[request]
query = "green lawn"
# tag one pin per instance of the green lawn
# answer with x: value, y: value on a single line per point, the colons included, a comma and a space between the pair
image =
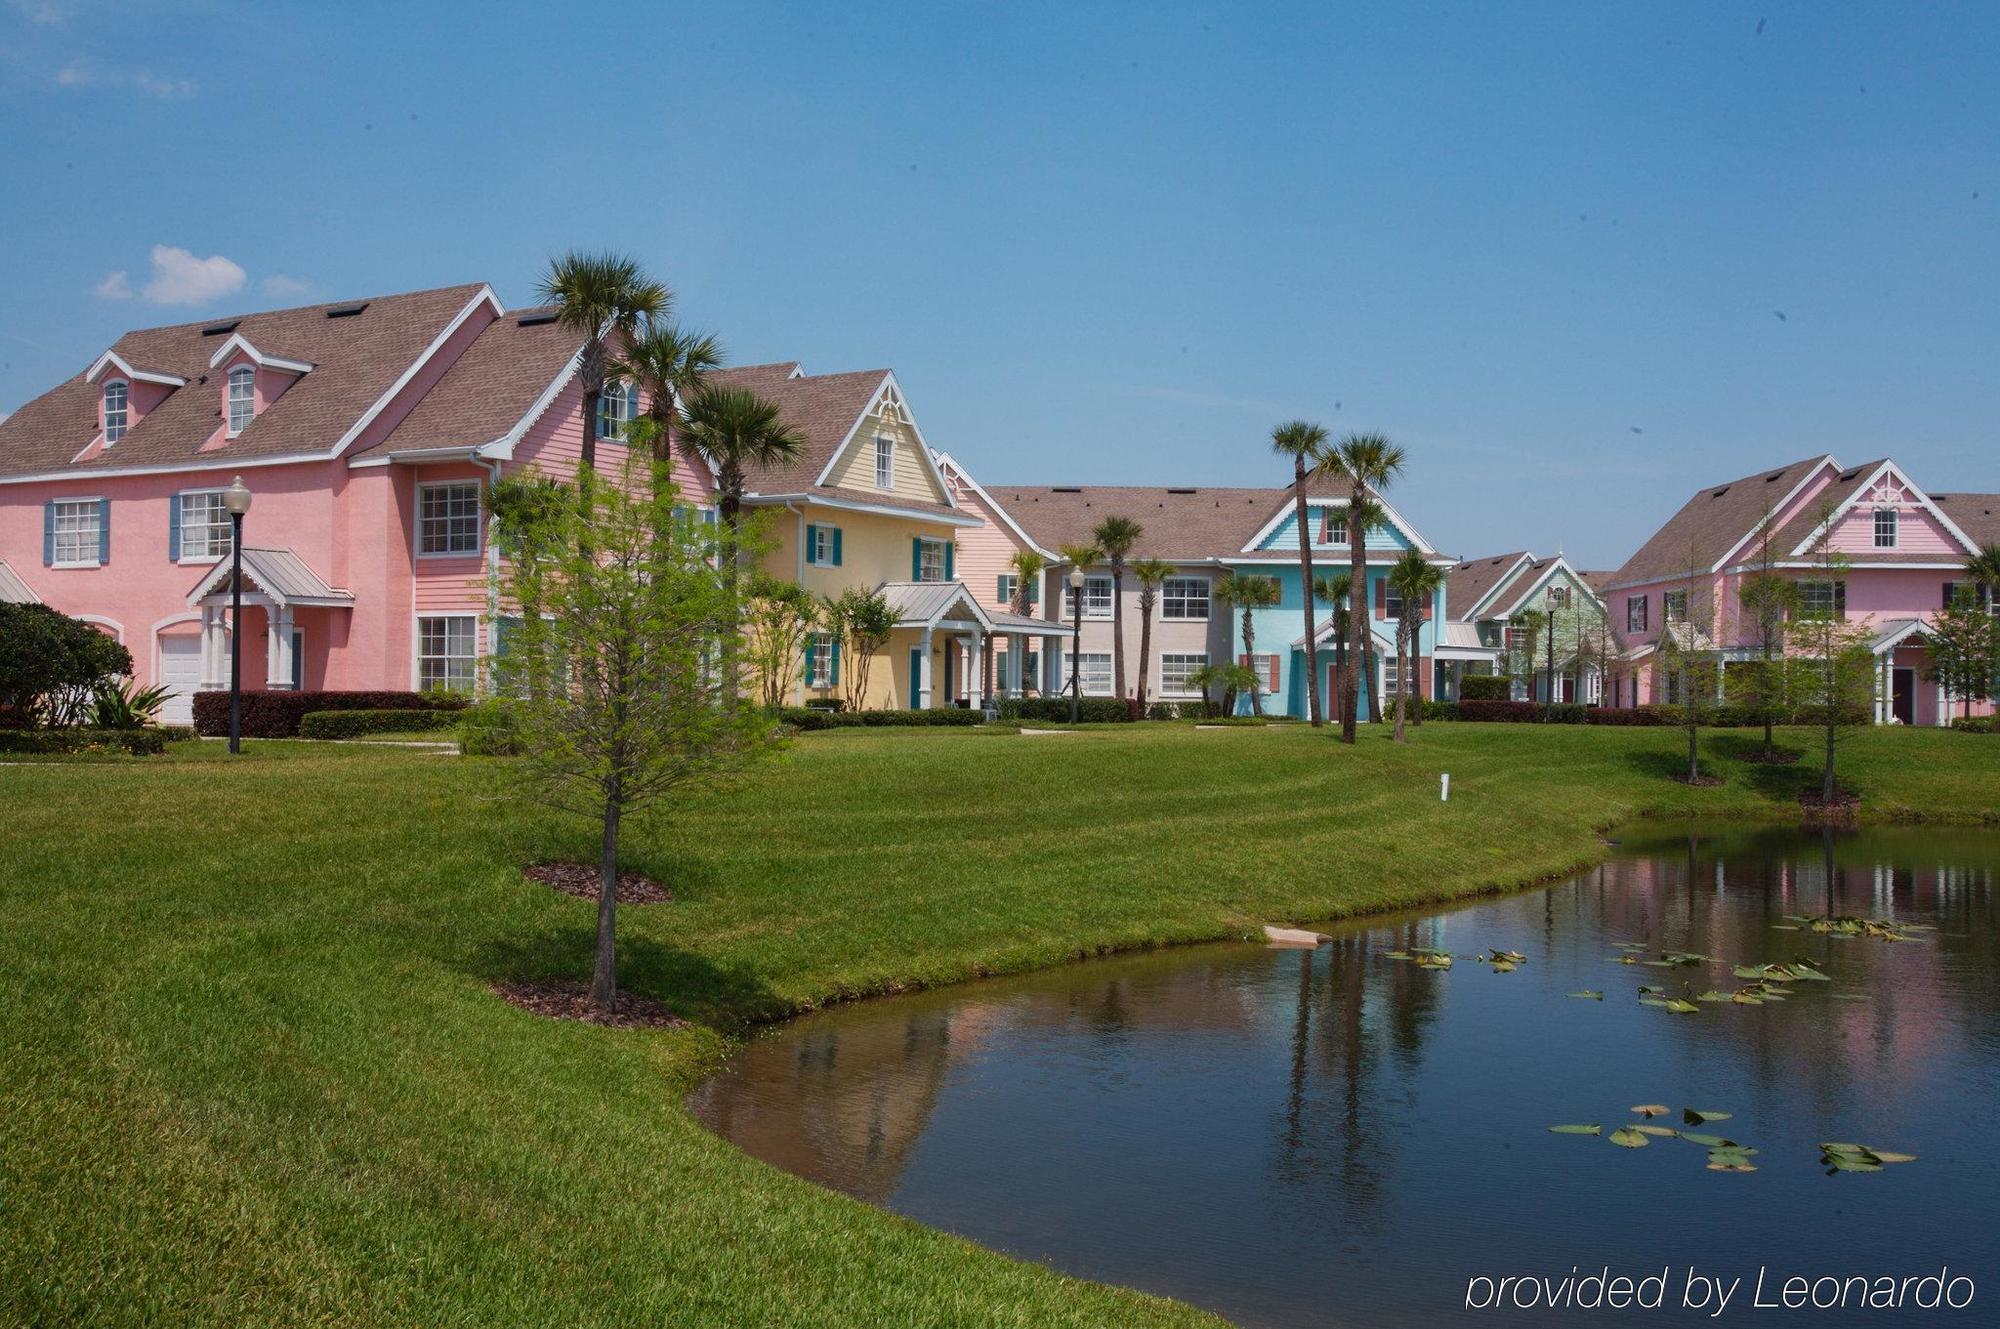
x: 253, y: 1074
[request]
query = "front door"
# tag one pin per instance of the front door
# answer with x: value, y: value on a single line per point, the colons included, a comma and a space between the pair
x: 1903, y: 696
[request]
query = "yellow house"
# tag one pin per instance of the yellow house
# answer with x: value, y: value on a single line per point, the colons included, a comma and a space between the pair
x: 865, y: 506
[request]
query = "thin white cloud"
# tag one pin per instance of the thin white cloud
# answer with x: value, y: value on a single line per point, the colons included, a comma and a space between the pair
x: 279, y: 284
x: 75, y: 74
x: 79, y: 74
x: 167, y: 89
x: 46, y: 13
x: 179, y: 278
x: 115, y: 286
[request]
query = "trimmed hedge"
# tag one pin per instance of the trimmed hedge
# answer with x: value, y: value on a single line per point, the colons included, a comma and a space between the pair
x: 1499, y: 712
x: 1978, y: 724
x: 137, y: 742
x: 277, y: 714
x: 355, y: 724
x: 1485, y: 687
x: 807, y: 717
x: 1090, y: 710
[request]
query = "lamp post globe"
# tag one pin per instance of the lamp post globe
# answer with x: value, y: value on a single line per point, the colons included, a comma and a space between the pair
x: 1076, y: 580
x: 236, y: 500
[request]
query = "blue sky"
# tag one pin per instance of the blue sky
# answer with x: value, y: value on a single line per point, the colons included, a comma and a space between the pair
x: 1580, y: 259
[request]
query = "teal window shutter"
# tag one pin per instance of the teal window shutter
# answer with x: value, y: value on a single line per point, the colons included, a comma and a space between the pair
x: 948, y: 550
x: 1000, y: 592
x: 48, y: 534
x: 836, y: 546
x: 103, y: 530
x: 833, y: 661
x: 174, y: 528
x: 812, y: 658
x: 1035, y: 591
x: 917, y: 559
x: 812, y: 543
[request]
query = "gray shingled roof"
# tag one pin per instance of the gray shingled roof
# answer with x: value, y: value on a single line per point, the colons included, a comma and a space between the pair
x: 1712, y: 521
x: 1178, y: 524
x: 490, y: 387
x: 1474, y: 578
x: 279, y: 573
x: 355, y: 361
x: 1978, y: 515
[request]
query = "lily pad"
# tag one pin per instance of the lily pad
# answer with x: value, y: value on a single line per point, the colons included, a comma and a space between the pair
x: 1682, y: 1006
x: 1584, y: 1128
x: 1651, y: 1110
x: 1629, y: 1138
x: 1664, y: 1132
x: 1708, y: 1141
x: 1701, y: 1116
x: 1713, y: 996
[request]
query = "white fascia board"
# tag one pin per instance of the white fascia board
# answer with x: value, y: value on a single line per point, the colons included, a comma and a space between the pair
x: 484, y: 296
x: 502, y: 448
x: 851, y: 505
x: 1471, y: 612
x: 113, y: 360
x: 1910, y: 487
x: 167, y: 468
x: 1782, y: 505
x: 1290, y: 506
x: 847, y: 440
x: 238, y: 342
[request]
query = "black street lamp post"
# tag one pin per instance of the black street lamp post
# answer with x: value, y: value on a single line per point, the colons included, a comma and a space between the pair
x: 1076, y: 580
x: 237, y: 500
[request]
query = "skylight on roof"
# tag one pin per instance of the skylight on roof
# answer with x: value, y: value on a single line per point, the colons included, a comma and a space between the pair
x: 1181, y: 491
x: 1720, y: 492
x: 1849, y: 475
x: 537, y: 318
x: 220, y: 329
x: 1774, y: 475
x: 347, y: 311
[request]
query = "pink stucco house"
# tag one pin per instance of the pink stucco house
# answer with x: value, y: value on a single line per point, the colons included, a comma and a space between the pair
x: 1905, y: 550
x: 369, y: 432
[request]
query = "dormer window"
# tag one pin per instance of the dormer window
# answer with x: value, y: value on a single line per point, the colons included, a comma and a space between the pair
x: 242, y: 398
x: 1886, y: 521
x: 117, y: 401
x: 617, y: 407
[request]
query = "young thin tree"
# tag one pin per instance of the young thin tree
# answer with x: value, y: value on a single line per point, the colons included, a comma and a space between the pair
x: 669, y: 365
x: 1151, y: 574
x: 625, y: 638
x: 1689, y: 652
x: 779, y: 616
x: 1961, y: 645
x: 1366, y: 464
x: 1984, y: 570
x: 862, y: 621
x: 1081, y: 557
x: 1115, y: 536
x: 1249, y: 593
x: 1767, y: 600
x: 1337, y: 590
x: 1833, y: 678
x: 1416, y: 582
x: 1532, y: 626
x: 1304, y: 442
x: 603, y: 297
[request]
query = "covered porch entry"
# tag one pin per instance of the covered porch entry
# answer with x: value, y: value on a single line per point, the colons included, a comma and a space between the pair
x: 295, y: 606
x: 943, y: 639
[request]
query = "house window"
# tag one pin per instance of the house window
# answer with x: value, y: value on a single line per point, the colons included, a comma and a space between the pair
x: 825, y: 543
x: 1184, y: 598
x: 1885, y: 528
x: 1096, y: 666
x: 448, y: 518
x: 1392, y: 601
x: 1976, y: 594
x: 1674, y: 606
x: 1332, y: 526
x: 1519, y: 638
x: 242, y: 398
x: 1635, y: 614
x: 617, y: 407
x: 1096, y: 597
x: 819, y: 669
x: 1392, y: 677
x: 116, y: 399
x: 79, y: 531
x: 204, y: 526
x: 1003, y: 587
x: 445, y: 653
x: 931, y: 560
x: 1177, y: 669
x: 885, y: 463
x: 1558, y: 596
x: 1823, y: 599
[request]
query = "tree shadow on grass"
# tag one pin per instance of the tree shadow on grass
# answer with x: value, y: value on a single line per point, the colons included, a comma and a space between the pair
x: 694, y: 987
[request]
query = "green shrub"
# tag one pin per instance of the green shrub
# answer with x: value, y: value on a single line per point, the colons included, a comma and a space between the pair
x: 491, y: 728
x: 1440, y: 710
x: 179, y: 733
x: 1978, y: 724
x: 1485, y: 687
x: 137, y: 742
x: 811, y: 717
x: 1176, y: 710
x: 1566, y: 712
x: 51, y: 665
x: 825, y: 704
x: 1234, y: 721
x: 1090, y: 710
x: 356, y: 724
x: 1500, y: 712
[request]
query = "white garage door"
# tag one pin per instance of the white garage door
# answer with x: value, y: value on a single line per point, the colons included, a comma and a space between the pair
x: 180, y: 673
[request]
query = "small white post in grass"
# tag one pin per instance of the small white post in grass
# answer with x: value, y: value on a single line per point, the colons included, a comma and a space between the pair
x: 1444, y: 788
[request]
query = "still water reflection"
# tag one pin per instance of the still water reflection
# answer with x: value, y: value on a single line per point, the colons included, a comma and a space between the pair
x: 1334, y: 1137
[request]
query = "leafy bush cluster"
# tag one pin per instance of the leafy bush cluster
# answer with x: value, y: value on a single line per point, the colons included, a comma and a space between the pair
x: 52, y: 666
x: 492, y: 728
x: 1090, y: 710
x: 137, y: 742
x: 825, y: 704
x: 357, y: 724
x: 277, y: 714
x: 811, y: 717
x: 1176, y: 710
x: 1978, y: 724
x: 1485, y: 687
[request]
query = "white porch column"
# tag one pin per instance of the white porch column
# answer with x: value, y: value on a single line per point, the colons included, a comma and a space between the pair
x: 1052, y: 654
x: 975, y: 674
x: 280, y: 623
x: 924, y: 673
x: 1017, y: 662
x: 214, y: 649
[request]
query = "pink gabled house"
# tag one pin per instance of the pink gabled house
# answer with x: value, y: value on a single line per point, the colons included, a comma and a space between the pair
x: 368, y: 432
x: 1904, y: 552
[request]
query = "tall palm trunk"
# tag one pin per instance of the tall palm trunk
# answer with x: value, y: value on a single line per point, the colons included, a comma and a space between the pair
x: 1145, y: 647
x: 590, y: 376
x: 1306, y: 585
x: 1337, y: 689
x: 1118, y: 628
x: 1357, y: 595
x: 1250, y: 658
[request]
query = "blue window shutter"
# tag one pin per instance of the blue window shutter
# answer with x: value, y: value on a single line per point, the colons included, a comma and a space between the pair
x: 48, y: 534
x: 1035, y: 591
x: 298, y: 662
x: 174, y: 527
x: 917, y: 559
x: 836, y: 546
x: 833, y: 661
x: 103, y: 530
x: 948, y: 551
x: 812, y: 543
x: 812, y: 657
x: 1000, y: 589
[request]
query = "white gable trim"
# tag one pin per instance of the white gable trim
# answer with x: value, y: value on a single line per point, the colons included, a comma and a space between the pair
x: 1290, y: 505
x: 854, y: 431
x: 1557, y: 564
x: 502, y: 448
x: 948, y: 463
x: 853, y: 505
x: 484, y: 296
x: 1910, y: 490
x: 238, y: 342
x: 113, y: 360
x: 1506, y: 580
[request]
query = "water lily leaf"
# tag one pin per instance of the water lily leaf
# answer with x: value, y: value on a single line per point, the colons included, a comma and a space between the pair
x: 1849, y: 996
x: 1748, y: 971
x: 1682, y: 1006
x: 1395, y: 955
x: 1887, y: 1156
x: 1658, y: 964
x: 1585, y: 1128
x: 1627, y: 959
x: 1657, y: 1002
x: 1649, y: 991
x: 1784, y: 927
x: 1850, y: 1163
x: 1665, y: 1132
x: 1748, y: 999
x: 1842, y: 1147
x: 1504, y: 966
x: 1631, y: 945
x: 1709, y: 1141
x: 1729, y: 1160
x: 1701, y: 1116
x: 1651, y: 1110
x: 1589, y: 994
x: 1713, y: 996
x: 1629, y: 1138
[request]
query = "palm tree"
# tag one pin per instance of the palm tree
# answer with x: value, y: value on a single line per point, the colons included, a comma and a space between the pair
x: 1415, y: 581
x: 731, y: 428
x: 1365, y: 463
x: 1079, y: 557
x: 1303, y: 441
x: 1984, y: 569
x: 1115, y: 536
x: 604, y: 297
x: 1028, y: 566
x: 670, y: 365
x: 1150, y: 574
x: 1249, y: 593
x: 1336, y: 590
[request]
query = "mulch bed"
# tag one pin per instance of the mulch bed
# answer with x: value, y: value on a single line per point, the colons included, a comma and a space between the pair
x: 580, y: 880
x: 568, y: 999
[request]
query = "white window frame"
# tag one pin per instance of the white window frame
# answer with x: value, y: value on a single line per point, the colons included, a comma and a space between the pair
x: 1392, y: 602
x: 114, y: 432
x: 1638, y: 613
x: 244, y: 375
x: 617, y: 406
x: 1333, y: 527
x: 1836, y: 596
x: 885, y: 462
x: 821, y: 553
x: 1180, y: 687
x: 1006, y: 584
x: 1895, y: 528
x: 928, y: 550
x: 1168, y: 596
x: 1096, y: 590
x: 1095, y: 684
x: 217, y: 528
x: 822, y: 658
x: 1392, y: 675
x: 424, y: 519
x: 1559, y: 595
x: 471, y: 657
x: 94, y: 507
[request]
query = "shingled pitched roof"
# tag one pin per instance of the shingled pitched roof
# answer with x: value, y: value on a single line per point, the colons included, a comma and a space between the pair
x: 1978, y: 515
x: 1474, y: 578
x: 1716, y: 519
x: 492, y: 386
x: 1178, y: 524
x: 355, y: 361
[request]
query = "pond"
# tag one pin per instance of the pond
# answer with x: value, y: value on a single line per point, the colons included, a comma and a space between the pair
x: 1340, y: 1136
